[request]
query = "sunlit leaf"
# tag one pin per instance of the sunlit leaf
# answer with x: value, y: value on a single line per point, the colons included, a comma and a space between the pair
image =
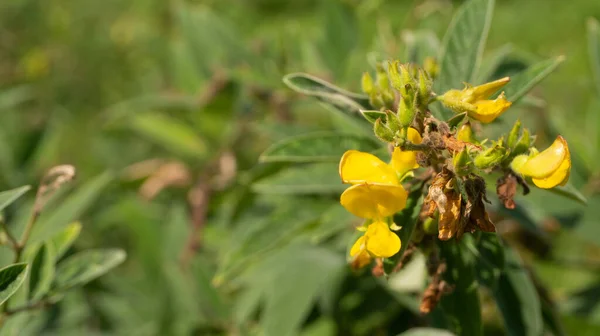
x: 524, y: 81
x: 83, y: 267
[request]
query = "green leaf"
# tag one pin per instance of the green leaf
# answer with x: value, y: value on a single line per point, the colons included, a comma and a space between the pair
x: 11, y: 278
x: 315, y: 178
x: 63, y: 240
x: 170, y: 133
x: 517, y: 299
x: 9, y: 196
x: 326, y: 92
x: 461, y: 273
x: 570, y: 192
x: 524, y: 81
x: 426, y: 332
x: 593, y: 29
x: 490, y: 258
x: 70, y: 209
x: 463, y: 46
x: 491, y: 63
x: 325, y: 326
x: 42, y: 271
x: 86, y: 266
x: 340, y: 28
x: 317, y: 147
x: 372, y: 116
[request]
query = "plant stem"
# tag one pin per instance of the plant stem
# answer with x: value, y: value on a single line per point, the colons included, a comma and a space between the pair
x: 11, y: 238
x: 30, y: 306
x: 25, y: 237
x: 409, y: 146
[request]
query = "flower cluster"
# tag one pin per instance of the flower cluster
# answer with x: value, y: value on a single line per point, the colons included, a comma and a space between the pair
x: 452, y: 158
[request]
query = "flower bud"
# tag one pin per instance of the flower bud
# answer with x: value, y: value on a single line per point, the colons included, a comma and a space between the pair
x: 376, y: 100
x: 523, y: 145
x: 465, y: 133
x: 382, y: 132
x: 431, y: 66
x: 490, y: 157
x: 392, y: 121
x: 430, y: 226
x: 383, y: 80
x: 367, y: 84
x: 425, y: 84
x: 408, y: 82
x: 406, y: 112
x: 394, y: 74
x: 513, y: 136
x: 462, y: 163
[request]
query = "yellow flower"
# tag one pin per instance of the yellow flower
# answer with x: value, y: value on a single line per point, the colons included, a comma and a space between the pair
x: 549, y: 168
x: 378, y: 241
x: 404, y: 161
x: 475, y: 100
x: 376, y: 191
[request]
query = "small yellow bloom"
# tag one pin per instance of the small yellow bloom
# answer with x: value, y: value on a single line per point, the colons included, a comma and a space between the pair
x: 404, y: 161
x: 376, y: 191
x: 549, y: 168
x: 475, y: 100
x: 378, y: 241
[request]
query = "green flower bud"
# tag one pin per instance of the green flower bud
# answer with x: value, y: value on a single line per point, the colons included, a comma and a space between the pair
x: 431, y: 66
x: 382, y: 132
x: 392, y: 121
x: 368, y: 86
x: 406, y: 112
x: 430, y: 226
x: 462, y: 163
x: 523, y: 145
x: 394, y: 74
x: 465, y: 133
x: 425, y: 84
x: 408, y: 82
x: 513, y: 135
x: 376, y: 100
x: 490, y: 157
x: 383, y: 80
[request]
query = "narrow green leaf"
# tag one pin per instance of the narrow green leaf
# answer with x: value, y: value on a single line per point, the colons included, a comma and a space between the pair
x: 463, y: 45
x: 63, y: 240
x: 170, y: 133
x: 317, y: 147
x: 372, y: 116
x: 524, y: 81
x: 12, y: 97
x: 461, y: 273
x: 593, y: 29
x: 325, y: 326
x: 70, y: 209
x: 326, y: 92
x: 42, y: 271
x: 570, y: 192
x: 11, y: 278
x: 426, y: 332
x: 9, y: 196
x: 86, y: 266
x: 316, y: 178
x: 517, y: 299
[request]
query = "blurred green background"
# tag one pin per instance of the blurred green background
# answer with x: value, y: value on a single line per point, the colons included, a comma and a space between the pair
x: 164, y: 107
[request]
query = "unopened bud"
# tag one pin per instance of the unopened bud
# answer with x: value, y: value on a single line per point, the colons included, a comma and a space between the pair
x: 382, y: 132
x: 392, y: 121
x: 513, y: 135
x: 490, y: 157
x: 376, y: 100
x: 406, y: 112
x: 425, y: 84
x: 382, y: 78
x: 430, y: 226
x: 394, y: 74
x: 368, y: 86
x: 431, y: 66
x: 523, y: 145
x: 462, y: 163
x: 465, y: 133
x: 408, y: 82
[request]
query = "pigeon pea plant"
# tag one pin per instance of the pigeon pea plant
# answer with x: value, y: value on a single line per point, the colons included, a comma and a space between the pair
x: 427, y: 189
x: 39, y: 274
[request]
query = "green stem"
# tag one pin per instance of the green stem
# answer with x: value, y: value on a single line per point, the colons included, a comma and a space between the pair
x: 25, y: 237
x: 11, y: 238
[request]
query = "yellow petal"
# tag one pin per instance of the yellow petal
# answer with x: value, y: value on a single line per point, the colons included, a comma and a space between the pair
x: 559, y: 177
x: 382, y: 242
x: 403, y: 161
x: 488, y: 110
x: 374, y: 200
x: 547, y: 162
x: 484, y: 91
x: 361, y: 260
x: 358, y: 246
x: 359, y: 167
